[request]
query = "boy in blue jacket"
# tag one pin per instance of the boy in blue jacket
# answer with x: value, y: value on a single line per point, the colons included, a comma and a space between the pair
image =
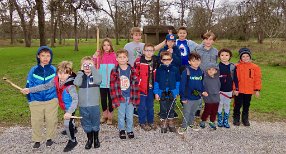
x: 166, y: 89
x: 43, y: 105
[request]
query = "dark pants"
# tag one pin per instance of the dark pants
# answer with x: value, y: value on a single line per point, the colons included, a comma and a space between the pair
x: 70, y: 127
x: 244, y: 101
x: 104, y: 95
x: 167, y: 105
x: 210, y: 110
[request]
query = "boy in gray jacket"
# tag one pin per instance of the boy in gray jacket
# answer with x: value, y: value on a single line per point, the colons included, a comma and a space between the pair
x: 88, y: 80
x: 211, y: 83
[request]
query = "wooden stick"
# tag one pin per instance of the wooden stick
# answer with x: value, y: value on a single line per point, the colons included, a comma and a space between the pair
x: 14, y: 85
x: 97, y: 46
x: 75, y: 117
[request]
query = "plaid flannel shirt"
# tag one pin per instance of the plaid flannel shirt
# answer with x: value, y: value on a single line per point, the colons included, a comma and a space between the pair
x: 115, y: 90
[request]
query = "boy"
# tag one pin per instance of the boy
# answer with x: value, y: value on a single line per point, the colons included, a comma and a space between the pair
x: 43, y: 105
x: 124, y: 91
x: 173, y: 49
x: 191, y: 89
x: 146, y: 66
x: 185, y: 46
x: 166, y: 89
x: 249, y: 82
x: 212, y: 87
x: 67, y: 95
x: 88, y: 80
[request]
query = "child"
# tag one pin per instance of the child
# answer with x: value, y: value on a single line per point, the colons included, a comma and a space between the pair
x: 173, y: 49
x: 146, y: 66
x: 166, y: 89
x: 249, y: 82
x: 67, y: 95
x: 227, y: 77
x: 88, y: 80
x: 191, y: 89
x: 212, y: 87
x: 185, y: 46
x: 105, y: 60
x: 124, y: 92
x: 43, y: 105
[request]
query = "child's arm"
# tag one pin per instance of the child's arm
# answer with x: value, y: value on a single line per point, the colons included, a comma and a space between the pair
x: 96, y: 75
x: 192, y: 45
x: 159, y: 46
x: 177, y: 56
x: 72, y: 91
x: 156, y: 89
x: 38, y: 88
x: 178, y: 78
x: 183, y: 85
x: 257, y: 81
x: 204, y: 93
x: 78, y: 79
x: 235, y: 81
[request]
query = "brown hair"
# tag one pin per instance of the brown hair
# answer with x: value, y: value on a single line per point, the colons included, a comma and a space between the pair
x: 65, y: 67
x: 149, y: 45
x: 86, y: 58
x: 135, y: 30
x: 101, y: 46
x: 182, y: 28
x: 225, y: 50
x: 208, y: 34
x: 194, y: 55
x: 121, y: 51
x: 165, y: 53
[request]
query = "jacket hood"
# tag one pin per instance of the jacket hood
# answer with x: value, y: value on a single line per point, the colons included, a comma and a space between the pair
x: 42, y: 48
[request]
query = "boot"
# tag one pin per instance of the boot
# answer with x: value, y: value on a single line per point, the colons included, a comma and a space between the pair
x: 110, y: 116
x: 104, y: 116
x: 225, y: 120
x: 96, y: 140
x: 236, y: 121
x: 89, y: 142
x: 244, y: 119
x: 219, y: 119
x: 164, y: 126
x: 171, y: 125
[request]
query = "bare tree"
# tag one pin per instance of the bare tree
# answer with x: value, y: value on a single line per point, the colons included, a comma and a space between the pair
x: 41, y: 21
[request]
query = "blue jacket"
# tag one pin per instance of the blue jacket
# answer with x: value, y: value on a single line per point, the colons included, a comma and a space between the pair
x: 195, y: 82
x: 176, y: 55
x: 40, y: 75
x: 167, y: 78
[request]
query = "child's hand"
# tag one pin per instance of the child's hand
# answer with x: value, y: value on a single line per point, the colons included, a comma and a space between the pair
x: 205, y: 94
x: 184, y: 102
x: 25, y: 91
x: 96, y: 54
x: 170, y: 50
x: 257, y: 94
x: 235, y: 93
x: 67, y: 116
x: 157, y: 97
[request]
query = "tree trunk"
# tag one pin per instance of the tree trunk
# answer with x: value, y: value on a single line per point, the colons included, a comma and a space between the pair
x: 75, y: 31
x: 157, y: 21
x: 86, y: 32
x: 260, y: 38
x: 52, y: 25
x: 11, y: 22
x: 41, y: 21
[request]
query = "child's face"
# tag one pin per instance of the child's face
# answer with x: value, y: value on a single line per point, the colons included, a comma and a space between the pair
x: 224, y: 57
x: 149, y: 52
x: 245, y: 58
x: 86, y: 65
x: 122, y: 59
x: 63, y: 76
x: 106, y: 46
x: 195, y: 63
x: 208, y: 42
x: 166, y: 60
x: 212, y: 71
x: 170, y: 43
x: 45, y: 58
x: 136, y: 37
x: 182, y: 34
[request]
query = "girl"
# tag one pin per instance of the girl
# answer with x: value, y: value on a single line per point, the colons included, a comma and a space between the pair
x: 105, y: 60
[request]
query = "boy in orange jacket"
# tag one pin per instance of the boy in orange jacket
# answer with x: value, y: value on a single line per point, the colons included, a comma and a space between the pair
x: 249, y: 82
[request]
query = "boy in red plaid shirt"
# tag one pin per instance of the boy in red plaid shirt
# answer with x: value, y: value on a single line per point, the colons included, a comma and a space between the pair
x: 124, y: 91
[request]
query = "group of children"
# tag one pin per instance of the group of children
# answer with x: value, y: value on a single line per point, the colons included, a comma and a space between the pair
x: 131, y: 78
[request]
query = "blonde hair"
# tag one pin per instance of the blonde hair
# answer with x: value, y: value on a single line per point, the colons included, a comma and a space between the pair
x: 121, y: 51
x: 86, y: 58
x: 65, y: 67
x: 135, y: 30
x: 101, y: 46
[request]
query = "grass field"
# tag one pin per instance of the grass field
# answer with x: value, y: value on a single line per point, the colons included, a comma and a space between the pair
x: 15, y: 62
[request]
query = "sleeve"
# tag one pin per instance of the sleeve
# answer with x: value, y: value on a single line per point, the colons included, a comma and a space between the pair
x: 96, y: 75
x: 29, y: 80
x: 203, y: 86
x: 74, y: 96
x: 112, y: 89
x: 183, y: 85
x: 192, y: 45
x: 257, y: 79
x: 156, y: 89
x: 78, y: 79
x: 42, y: 87
x: 235, y: 80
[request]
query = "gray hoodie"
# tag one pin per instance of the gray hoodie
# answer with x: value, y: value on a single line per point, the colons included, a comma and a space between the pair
x: 207, y: 56
x: 88, y: 88
x: 212, y: 87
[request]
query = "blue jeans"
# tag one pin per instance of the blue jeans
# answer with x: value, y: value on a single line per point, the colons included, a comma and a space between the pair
x: 90, y: 118
x: 125, y: 109
x: 146, y: 108
x: 189, y: 111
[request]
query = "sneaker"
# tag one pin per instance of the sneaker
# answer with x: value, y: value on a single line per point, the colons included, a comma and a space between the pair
x: 153, y: 126
x: 64, y: 132
x: 202, y: 124
x: 122, y: 134
x: 182, y: 130
x: 212, y: 125
x: 36, y: 145
x: 130, y: 135
x: 195, y: 127
x: 49, y: 143
x: 70, y: 145
x: 135, y: 114
x: 145, y: 127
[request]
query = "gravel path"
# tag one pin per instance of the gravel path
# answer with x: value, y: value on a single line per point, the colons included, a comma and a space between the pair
x: 258, y: 138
